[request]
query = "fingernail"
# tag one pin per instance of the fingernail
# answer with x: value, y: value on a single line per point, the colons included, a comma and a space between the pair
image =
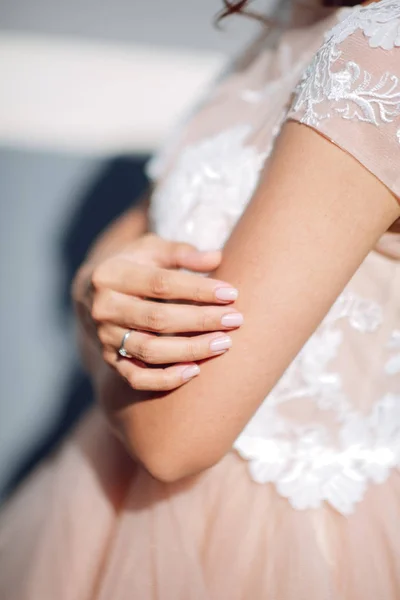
x: 221, y: 343
x: 226, y: 293
x: 190, y: 372
x: 232, y: 320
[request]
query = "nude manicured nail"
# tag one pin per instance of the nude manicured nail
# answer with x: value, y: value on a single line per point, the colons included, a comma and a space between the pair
x: 232, y: 320
x: 190, y: 372
x: 226, y: 293
x: 221, y: 343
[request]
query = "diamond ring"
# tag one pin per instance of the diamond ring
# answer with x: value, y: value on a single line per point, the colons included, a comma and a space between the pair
x: 122, y: 351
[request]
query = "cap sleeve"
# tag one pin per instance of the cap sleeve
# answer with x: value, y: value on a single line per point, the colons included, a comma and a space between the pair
x: 351, y: 90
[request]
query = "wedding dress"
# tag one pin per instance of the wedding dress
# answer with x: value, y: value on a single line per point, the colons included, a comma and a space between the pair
x: 306, y: 506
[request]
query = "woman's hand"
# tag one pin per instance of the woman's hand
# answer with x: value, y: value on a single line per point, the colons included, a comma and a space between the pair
x: 123, y: 293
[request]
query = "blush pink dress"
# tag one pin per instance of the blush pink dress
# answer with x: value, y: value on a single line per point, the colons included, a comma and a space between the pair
x: 306, y: 506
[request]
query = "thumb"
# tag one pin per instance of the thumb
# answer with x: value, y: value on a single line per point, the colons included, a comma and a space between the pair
x: 186, y: 256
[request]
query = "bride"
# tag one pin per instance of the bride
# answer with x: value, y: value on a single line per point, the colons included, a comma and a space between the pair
x: 242, y: 332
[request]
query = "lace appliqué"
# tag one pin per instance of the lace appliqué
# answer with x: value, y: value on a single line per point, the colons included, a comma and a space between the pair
x: 350, y: 91
x: 309, y: 464
x: 208, y: 190
x: 380, y: 23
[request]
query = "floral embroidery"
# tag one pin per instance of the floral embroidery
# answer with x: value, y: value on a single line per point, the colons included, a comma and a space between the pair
x: 380, y: 22
x: 208, y: 190
x: 350, y: 91
x: 310, y: 463
x: 308, y: 376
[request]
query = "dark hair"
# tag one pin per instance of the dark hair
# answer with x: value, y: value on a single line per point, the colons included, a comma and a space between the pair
x: 232, y: 7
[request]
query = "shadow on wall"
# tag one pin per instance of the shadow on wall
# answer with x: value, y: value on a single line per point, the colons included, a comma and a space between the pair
x: 120, y: 183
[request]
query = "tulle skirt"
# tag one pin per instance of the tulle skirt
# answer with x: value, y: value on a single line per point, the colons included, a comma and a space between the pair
x: 92, y: 525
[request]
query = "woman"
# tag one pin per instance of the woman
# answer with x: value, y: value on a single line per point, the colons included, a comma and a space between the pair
x: 261, y: 456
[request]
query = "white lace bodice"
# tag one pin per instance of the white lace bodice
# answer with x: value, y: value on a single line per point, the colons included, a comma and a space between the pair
x: 331, y: 426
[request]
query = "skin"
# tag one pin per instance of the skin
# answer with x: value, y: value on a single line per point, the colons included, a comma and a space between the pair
x: 119, y: 289
x: 286, y: 287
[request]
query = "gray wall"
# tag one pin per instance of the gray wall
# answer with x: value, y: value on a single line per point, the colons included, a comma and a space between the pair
x: 38, y: 192
x: 182, y: 23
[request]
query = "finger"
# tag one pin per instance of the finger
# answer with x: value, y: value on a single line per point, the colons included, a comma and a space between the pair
x: 134, y: 313
x: 175, y: 255
x: 154, y: 282
x: 202, y: 262
x: 142, y: 378
x: 389, y: 244
x: 188, y: 257
x: 155, y: 350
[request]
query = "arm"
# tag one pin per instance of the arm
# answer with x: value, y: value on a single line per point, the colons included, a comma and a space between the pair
x: 316, y: 215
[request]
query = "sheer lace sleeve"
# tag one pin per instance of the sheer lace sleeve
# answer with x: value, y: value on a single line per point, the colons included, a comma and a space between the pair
x: 350, y: 92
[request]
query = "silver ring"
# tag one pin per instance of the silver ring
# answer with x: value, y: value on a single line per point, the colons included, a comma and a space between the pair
x: 122, y: 352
